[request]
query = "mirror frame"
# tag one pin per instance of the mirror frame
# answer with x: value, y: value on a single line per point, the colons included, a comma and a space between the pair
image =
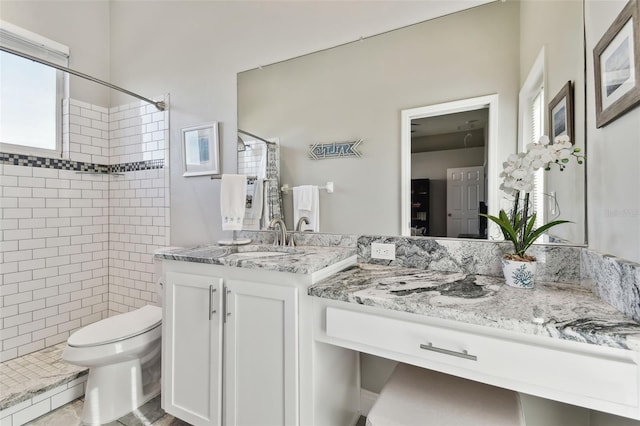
x: 488, y: 101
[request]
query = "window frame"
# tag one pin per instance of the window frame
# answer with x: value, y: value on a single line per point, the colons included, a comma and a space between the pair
x: 534, y: 87
x: 25, y: 41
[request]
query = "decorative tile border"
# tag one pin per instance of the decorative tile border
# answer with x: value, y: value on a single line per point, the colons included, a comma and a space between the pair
x: 136, y: 166
x: 51, y: 163
x: 79, y: 166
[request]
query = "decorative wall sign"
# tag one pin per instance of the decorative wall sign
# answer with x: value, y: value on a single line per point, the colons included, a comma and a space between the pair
x: 617, y: 66
x: 321, y: 151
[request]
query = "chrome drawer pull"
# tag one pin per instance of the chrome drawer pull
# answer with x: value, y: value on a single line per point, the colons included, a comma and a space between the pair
x: 464, y: 354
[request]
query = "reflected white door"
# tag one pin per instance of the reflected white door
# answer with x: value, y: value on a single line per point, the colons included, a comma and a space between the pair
x: 465, y: 190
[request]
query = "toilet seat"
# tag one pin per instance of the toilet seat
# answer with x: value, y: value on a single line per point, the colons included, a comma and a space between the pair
x: 117, y: 328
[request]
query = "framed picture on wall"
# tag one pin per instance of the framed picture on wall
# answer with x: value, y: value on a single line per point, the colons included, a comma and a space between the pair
x: 200, y: 150
x: 616, y: 60
x: 561, y: 113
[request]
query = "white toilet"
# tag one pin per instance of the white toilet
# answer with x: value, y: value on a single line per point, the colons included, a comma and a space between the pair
x: 123, y: 356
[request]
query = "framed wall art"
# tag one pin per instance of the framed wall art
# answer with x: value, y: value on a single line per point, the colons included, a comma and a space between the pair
x: 616, y: 60
x: 561, y: 113
x: 200, y: 150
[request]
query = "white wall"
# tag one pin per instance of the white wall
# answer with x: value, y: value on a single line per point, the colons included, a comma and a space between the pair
x: 194, y: 50
x: 358, y: 91
x: 613, y: 157
x: 83, y: 26
x: 557, y: 26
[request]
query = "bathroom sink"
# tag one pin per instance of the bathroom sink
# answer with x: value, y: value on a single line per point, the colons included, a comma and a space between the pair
x: 255, y: 251
x: 253, y: 254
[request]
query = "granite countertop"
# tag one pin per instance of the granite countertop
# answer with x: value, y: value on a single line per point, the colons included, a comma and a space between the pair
x: 297, y: 260
x: 561, y: 311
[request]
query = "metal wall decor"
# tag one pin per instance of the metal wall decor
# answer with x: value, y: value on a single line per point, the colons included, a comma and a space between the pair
x: 321, y: 151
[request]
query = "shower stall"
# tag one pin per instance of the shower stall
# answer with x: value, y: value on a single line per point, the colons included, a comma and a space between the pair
x: 259, y: 159
x: 79, y: 229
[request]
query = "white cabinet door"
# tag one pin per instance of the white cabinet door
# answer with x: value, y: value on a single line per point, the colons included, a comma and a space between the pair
x: 192, y: 348
x: 261, y: 354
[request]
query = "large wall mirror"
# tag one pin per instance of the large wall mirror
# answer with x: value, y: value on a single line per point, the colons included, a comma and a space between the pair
x: 359, y: 91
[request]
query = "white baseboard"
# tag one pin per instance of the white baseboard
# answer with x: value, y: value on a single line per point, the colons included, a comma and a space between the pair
x: 367, y: 399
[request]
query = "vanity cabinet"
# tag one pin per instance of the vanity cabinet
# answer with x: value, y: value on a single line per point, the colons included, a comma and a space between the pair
x: 255, y: 326
x: 238, y: 348
x: 597, y: 377
x: 192, y: 348
x: 261, y: 354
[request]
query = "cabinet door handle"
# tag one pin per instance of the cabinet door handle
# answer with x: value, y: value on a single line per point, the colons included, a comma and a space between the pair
x: 225, y: 305
x: 212, y: 311
x: 464, y: 354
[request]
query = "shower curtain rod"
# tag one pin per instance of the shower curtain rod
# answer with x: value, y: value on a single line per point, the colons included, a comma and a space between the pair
x: 257, y: 137
x: 158, y: 104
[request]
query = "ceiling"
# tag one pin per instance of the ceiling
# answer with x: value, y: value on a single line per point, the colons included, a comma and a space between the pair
x: 451, y: 131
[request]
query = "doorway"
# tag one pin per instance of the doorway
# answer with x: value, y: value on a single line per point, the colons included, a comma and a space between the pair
x: 452, y: 135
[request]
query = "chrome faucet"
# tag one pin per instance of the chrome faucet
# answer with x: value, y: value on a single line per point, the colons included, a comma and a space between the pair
x: 282, y: 240
x: 303, y: 219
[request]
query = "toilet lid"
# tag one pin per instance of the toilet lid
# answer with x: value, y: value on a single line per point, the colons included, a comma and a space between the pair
x: 118, y: 327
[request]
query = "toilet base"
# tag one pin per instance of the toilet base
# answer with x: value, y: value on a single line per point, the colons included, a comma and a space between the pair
x: 115, y: 390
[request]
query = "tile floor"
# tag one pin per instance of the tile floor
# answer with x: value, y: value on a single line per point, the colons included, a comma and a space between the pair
x: 32, y: 374
x: 150, y: 414
x: 37, y: 372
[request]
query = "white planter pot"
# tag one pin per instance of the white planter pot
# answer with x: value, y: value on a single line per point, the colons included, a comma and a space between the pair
x: 519, y: 274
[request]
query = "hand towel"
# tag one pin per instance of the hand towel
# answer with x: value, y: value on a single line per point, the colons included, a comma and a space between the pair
x: 303, y: 197
x: 233, y: 198
x: 306, y: 202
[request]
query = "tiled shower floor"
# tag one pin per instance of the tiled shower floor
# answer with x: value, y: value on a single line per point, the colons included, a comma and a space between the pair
x: 33, y: 374
x: 40, y: 378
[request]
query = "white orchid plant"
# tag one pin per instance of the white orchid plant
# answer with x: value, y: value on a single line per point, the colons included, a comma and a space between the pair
x: 518, y: 178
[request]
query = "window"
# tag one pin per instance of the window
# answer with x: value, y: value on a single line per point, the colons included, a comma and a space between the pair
x: 31, y: 93
x: 537, y: 126
x: 531, y: 119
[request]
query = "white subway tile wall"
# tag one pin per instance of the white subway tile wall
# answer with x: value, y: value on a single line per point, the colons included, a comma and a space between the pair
x: 138, y: 225
x: 54, y: 252
x: 85, y: 132
x: 137, y: 133
x: 76, y: 247
x: 139, y: 205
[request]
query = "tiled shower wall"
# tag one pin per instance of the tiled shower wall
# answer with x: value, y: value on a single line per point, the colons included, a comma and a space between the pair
x: 138, y: 204
x: 54, y: 255
x: 76, y: 247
